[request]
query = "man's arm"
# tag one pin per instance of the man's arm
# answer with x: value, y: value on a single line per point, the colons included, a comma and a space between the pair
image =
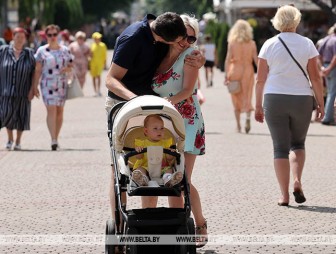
x: 326, y: 71
x: 114, y: 84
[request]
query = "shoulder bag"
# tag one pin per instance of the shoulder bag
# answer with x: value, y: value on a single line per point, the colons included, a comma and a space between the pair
x: 234, y: 86
x: 74, y: 89
x: 304, y: 73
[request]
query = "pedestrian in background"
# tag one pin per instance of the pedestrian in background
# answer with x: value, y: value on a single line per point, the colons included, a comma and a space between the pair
x: 81, y: 53
x: 98, y: 61
x: 288, y: 98
x: 17, y: 66
x: 53, y: 62
x: 327, y: 50
x: 40, y: 40
x: 210, y: 54
x: 8, y: 34
x: 64, y: 38
x: 242, y: 51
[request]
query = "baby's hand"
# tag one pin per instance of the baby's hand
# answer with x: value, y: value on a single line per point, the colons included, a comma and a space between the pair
x: 138, y: 149
x: 172, y: 150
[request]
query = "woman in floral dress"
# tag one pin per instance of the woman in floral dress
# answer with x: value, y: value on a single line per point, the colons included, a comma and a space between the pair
x: 178, y: 83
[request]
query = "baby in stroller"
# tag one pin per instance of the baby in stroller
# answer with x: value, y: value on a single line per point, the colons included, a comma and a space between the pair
x: 154, y: 132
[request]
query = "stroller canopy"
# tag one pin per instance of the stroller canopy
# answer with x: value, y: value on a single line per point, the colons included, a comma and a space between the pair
x: 133, y: 113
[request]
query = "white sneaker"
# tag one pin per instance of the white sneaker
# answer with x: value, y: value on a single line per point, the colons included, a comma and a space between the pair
x: 173, y: 179
x: 139, y: 178
x: 9, y: 145
x: 17, y: 147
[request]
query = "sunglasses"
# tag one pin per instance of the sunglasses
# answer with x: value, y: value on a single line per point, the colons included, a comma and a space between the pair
x: 52, y: 35
x: 190, y: 39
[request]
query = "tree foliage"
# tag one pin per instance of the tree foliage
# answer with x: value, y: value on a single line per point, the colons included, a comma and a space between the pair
x: 69, y: 13
x: 97, y: 9
x: 195, y: 7
x: 328, y: 8
x: 66, y: 13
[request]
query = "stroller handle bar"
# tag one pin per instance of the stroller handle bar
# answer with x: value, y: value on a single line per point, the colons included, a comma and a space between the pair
x: 167, y: 151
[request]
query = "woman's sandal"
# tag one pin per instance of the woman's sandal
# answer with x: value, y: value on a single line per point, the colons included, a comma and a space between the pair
x: 200, y: 231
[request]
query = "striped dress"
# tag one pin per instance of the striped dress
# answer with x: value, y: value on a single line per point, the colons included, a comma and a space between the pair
x: 15, y: 82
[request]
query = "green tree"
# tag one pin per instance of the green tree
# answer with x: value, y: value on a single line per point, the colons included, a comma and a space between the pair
x: 65, y: 13
x: 196, y: 7
x: 96, y: 9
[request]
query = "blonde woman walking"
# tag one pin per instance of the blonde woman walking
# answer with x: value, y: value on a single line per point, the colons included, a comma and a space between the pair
x: 242, y: 51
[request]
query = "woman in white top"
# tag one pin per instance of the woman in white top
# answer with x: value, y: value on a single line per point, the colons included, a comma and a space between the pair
x: 288, y: 98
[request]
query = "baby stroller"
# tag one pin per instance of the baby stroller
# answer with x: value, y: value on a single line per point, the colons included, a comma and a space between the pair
x: 125, y: 123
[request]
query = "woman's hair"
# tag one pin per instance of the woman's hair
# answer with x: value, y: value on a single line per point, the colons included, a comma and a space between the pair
x: 241, y: 31
x: 155, y: 116
x: 52, y: 26
x: 192, y: 22
x: 80, y: 34
x: 20, y: 30
x: 286, y: 19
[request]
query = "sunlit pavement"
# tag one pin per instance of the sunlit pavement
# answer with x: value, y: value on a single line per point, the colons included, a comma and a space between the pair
x: 66, y: 192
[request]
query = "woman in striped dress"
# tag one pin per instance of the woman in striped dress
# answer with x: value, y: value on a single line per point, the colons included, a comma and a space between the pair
x: 17, y: 65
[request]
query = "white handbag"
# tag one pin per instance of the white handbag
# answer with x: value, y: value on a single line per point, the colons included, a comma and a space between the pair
x: 74, y: 89
x: 234, y: 87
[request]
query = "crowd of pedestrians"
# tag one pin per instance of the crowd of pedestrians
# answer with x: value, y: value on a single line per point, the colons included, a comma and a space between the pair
x: 157, y: 56
x: 45, y: 65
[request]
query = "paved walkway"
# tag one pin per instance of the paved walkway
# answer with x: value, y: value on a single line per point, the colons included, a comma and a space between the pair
x: 66, y: 192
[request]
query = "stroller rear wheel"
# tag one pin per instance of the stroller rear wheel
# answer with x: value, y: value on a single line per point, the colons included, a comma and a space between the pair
x: 109, y: 233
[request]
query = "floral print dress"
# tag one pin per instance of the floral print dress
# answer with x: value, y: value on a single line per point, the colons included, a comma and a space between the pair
x: 170, y: 83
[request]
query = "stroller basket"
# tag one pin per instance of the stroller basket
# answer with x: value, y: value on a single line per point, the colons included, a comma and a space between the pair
x: 161, y: 216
